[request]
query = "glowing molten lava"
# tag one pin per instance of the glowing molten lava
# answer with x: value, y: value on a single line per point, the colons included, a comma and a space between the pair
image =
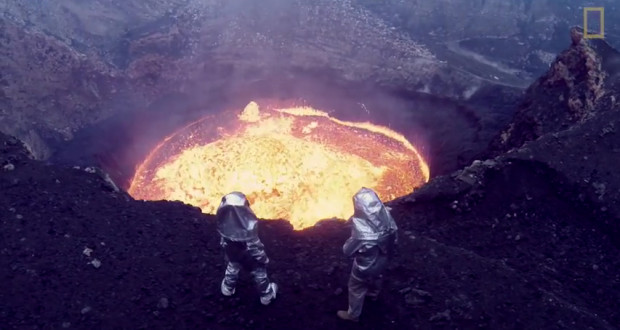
x: 297, y: 164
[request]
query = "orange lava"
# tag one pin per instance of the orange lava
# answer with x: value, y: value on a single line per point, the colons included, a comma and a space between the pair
x: 297, y: 164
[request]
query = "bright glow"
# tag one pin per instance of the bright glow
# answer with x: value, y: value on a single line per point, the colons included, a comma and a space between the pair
x: 297, y: 164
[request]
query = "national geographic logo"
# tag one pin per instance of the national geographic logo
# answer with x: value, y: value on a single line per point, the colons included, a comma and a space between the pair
x: 600, y: 11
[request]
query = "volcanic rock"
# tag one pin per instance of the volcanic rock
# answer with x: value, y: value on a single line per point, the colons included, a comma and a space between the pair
x: 122, y: 56
x: 578, y: 143
x: 49, y: 89
x: 416, y: 297
x: 96, y: 263
x: 553, y: 201
x: 163, y: 303
x: 568, y: 94
x: 443, y: 316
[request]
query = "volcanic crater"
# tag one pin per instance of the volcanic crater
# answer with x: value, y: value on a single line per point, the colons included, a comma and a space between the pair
x: 505, y: 228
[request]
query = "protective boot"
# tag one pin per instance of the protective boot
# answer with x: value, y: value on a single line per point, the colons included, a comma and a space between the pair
x: 345, y: 316
x: 268, y: 297
x: 226, y: 290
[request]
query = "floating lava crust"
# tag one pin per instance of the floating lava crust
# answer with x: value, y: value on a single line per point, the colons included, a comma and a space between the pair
x: 297, y: 164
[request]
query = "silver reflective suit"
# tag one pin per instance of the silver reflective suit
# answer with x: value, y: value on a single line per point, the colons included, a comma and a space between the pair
x: 238, y: 228
x: 372, y: 244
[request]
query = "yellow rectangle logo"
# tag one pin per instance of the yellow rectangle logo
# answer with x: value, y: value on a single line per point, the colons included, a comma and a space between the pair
x: 601, y: 11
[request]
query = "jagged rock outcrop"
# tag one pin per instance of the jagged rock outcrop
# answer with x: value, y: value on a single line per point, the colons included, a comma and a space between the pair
x: 554, y: 200
x: 568, y: 122
x: 566, y: 95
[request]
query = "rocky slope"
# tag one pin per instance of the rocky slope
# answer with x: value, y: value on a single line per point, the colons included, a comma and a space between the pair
x: 554, y: 196
x: 121, y: 56
x: 84, y: 24
x: 568, y: 121
x: 464, y: 19
x: 97, y: 59
x: 49, y: 89
x: 517, y: 37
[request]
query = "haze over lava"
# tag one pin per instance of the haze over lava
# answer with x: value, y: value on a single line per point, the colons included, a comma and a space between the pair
x: 297, y: 163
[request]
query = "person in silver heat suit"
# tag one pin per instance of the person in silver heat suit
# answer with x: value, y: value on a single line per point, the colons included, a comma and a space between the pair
x: 238, y: 228
x: 372, y: 244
